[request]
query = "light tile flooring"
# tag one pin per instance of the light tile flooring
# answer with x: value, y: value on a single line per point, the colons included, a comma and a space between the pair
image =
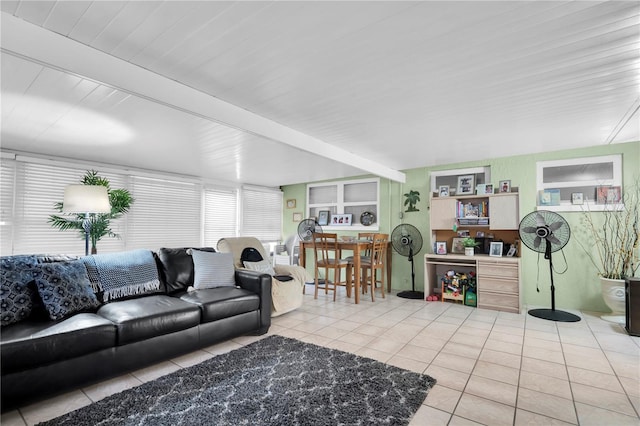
x: 492, y: 368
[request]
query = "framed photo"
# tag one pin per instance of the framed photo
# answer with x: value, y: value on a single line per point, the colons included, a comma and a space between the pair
x: 577, y: 198
x: 441, y: 247
x: 457, y: 246
x: 297, y: 217
x: 341, y: 219
x: 496, y: 249
x: 608, y: 194
x: 465, y: 185
x: 504, y: 186
x: 484, y: 188
x: 443, y: 191
x: 323, y: 217
x: 291, y: 204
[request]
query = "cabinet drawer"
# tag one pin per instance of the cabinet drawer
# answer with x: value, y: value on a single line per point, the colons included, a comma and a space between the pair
x: 489, y: 300
x: 497, y: 270
x: 498, y: 285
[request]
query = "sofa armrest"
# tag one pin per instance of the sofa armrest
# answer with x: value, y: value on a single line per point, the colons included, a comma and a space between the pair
x: 261, y: 285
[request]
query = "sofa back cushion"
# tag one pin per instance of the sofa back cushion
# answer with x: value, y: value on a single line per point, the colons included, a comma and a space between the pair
x: 175, y: 267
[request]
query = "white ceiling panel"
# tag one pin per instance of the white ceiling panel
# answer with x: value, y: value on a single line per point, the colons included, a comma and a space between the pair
x: 389, y: 85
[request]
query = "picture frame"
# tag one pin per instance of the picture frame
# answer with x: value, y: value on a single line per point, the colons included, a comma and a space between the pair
x: 577, y: 198
x: 441, y: 247
x: 608, y: 194
x: 484, y: 188
x: 465, y: 185
x: 297, y: 217
x: 457, y: 247
x: 443, y: 191
x: 291, y: 204
x: 504, y: 186
x: 323, y: 217
x: 341, y: 219
x: 495, y: 249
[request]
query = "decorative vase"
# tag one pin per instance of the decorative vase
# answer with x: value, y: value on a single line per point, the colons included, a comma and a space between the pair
x: 469, y: 251
x: 613, y: 295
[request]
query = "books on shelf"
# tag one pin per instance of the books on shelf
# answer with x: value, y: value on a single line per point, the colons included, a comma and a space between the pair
x: 469, y: 210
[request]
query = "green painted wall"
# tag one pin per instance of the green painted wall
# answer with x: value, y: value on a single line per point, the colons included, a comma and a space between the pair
x: 577, y: 288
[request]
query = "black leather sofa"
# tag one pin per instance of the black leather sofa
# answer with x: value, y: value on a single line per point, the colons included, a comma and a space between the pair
x: 41, y: 357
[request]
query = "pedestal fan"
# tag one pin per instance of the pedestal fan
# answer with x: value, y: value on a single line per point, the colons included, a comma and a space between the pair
x: 306, y: 228
x: 547, y: 232
x: 407, y: 241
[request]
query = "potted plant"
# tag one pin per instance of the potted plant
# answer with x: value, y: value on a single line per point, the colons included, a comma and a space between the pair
x: 119, y: 199
x: 470, y: 245
x: 611, y: 241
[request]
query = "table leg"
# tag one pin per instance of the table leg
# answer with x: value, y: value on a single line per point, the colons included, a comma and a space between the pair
x: 387, y: 266
x: 356, y: 274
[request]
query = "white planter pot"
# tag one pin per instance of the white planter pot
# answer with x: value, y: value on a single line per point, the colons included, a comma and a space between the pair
x: 469, y: 251
x: 613, y: 295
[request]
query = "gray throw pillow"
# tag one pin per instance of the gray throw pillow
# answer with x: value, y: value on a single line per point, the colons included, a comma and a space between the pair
x: 212, y: 269
x: 263, y: 266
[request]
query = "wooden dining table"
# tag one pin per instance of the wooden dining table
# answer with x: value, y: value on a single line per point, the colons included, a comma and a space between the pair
x: 357, y: 247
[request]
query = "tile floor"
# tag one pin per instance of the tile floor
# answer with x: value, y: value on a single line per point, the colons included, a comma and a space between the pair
x: 492, y: 368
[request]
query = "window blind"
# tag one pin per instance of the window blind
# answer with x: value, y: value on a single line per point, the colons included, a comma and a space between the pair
x: 165, y: 213
x: 7, y: 186
x: 220, y: 215
x: 262, y: 214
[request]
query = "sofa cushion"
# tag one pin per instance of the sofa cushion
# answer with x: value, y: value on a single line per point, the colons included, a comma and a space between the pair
x: 64, y: 288
x: 176, y: 267
x: 17, y: 289
x: 212, y: 269
x: 33, y: 343
x: 222, y: 302
x: 149, y: 316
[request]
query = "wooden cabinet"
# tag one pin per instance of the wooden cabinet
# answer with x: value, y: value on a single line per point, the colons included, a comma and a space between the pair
x: 499, y: 283
x: 502, y: 210
x: 498, y: 278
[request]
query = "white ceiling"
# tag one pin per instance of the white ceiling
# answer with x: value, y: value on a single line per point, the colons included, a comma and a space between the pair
x: 275, y: 93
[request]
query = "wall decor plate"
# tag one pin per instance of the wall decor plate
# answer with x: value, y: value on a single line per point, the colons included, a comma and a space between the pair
x: 367, y: 218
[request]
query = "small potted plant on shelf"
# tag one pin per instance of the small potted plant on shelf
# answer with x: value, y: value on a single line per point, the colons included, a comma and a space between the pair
x: 470, y: 245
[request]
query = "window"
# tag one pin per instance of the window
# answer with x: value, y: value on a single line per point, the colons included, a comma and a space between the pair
x: 262, y: 214
x: 450, y: 178
x: 220, y: 215
x: 168, y: 211
x: 165, y: 213
x: 577, y: 176
x: 345, y: 197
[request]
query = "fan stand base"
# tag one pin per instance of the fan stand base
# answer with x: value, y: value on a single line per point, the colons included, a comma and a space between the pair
x: 554, y: 315
x: 411, y: 294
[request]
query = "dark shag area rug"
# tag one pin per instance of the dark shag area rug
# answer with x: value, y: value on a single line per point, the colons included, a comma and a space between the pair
x: 274, y: 381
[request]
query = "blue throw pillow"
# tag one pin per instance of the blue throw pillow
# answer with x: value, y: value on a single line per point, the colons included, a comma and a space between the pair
x: 65, y: 289
x: 18, y: 295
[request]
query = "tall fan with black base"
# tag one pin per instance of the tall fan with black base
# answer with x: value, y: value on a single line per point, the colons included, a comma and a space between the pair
x: 407, y: 241
x: 306, y: 228
x: 547, y: 232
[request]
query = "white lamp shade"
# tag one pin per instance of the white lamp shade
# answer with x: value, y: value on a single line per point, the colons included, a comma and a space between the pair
x: 86, y: 199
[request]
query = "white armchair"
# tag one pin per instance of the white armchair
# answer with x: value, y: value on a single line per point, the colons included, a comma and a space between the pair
x: 286, y: 295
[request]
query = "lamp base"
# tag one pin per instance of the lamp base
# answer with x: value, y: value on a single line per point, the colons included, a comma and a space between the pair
x: 554, y: 315
x: 411, y: 294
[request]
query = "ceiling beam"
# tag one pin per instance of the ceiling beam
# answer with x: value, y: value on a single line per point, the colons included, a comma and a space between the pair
x: 30, y: 41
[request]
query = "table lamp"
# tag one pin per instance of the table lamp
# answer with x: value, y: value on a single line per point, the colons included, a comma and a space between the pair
x: 87, y: 199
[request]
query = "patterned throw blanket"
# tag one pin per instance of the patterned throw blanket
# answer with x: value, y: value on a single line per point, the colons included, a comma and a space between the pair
x: 122, y: 274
